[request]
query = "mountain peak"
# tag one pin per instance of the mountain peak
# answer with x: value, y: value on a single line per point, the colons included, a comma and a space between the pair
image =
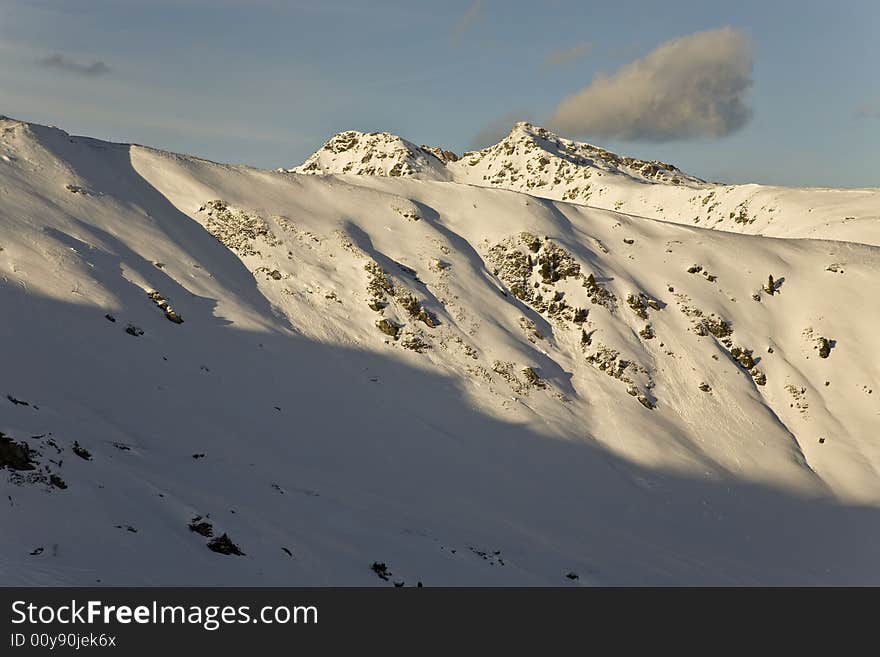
x: 376, y: 154
x: 551, y: 160
x: 529, y: 159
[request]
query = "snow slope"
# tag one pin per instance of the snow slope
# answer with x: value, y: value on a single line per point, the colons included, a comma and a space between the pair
x: 468, y: 385
x: 533, y: 160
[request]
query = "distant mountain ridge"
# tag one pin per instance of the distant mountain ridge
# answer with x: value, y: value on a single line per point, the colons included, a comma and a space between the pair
x: 533, y: 160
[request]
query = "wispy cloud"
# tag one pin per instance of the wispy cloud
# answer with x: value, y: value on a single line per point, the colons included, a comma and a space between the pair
x: 467, y: 20
x: 568, y: 55
x: 67, y: 65
x: 694, y: 86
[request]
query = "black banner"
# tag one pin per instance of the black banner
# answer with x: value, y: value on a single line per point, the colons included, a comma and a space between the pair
x: 134, y: 621
x: 235, y: 621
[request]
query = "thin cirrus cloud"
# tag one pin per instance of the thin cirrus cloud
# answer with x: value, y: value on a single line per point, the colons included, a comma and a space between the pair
x: 568, y: 55
x: 67, y: 65
x: 694, y: 86
x: 467, y: 20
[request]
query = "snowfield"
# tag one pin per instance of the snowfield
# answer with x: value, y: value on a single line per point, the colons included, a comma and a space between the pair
x: 413, y: 368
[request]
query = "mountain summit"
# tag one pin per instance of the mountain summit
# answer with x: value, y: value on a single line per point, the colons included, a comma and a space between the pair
x: 533, y: 160
x: 531, y: 157
x: 376, y: 154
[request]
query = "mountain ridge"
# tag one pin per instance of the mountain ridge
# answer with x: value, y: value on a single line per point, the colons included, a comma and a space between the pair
x: 533, y: 160
x: 470, y: 385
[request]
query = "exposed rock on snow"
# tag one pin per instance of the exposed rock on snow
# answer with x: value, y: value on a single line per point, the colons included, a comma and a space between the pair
x: 377, y: 154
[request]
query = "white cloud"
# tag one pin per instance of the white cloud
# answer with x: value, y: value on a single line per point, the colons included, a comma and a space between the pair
x: 689, y: 87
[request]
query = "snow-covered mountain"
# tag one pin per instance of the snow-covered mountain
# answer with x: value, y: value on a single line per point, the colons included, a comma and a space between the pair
x: 385, y: 379
x: 377, y: 154
x: 533, y: 160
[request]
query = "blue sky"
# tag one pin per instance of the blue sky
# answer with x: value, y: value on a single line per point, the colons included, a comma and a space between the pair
x: 266, y: 82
